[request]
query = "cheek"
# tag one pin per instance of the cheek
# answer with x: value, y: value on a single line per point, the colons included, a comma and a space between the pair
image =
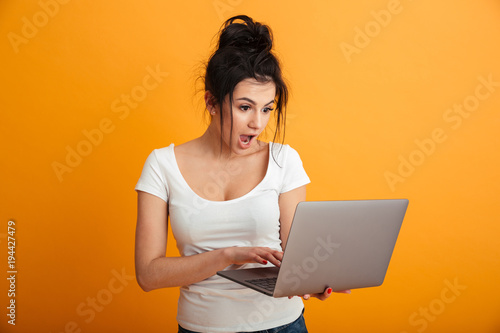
x: 268, y: 119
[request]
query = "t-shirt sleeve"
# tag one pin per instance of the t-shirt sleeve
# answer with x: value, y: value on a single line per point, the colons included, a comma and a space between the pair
x: 152, y: 180
x: 294, y: 174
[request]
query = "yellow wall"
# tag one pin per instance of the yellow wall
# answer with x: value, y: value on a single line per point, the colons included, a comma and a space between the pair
x: 390, y: 99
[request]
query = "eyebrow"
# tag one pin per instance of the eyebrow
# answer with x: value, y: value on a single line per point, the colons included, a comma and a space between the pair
x: 251, y: 101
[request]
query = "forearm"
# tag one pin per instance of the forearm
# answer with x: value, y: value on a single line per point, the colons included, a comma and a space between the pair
x: 167, y: 272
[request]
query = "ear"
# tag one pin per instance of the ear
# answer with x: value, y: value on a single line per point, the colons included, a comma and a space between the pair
x: 210, y: 102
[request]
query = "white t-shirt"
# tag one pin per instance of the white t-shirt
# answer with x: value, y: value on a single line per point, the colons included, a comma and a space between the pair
x: 199, y: 225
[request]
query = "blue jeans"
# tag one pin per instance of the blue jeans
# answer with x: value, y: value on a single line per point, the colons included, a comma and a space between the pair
x: 297, y: 326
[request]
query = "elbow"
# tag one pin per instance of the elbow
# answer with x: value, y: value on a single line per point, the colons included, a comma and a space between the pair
x: 144, y: 283
x: 145, y: 287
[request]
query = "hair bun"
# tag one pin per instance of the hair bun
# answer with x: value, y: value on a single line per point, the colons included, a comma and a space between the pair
x: 248, y: 36
x: 244, y: 51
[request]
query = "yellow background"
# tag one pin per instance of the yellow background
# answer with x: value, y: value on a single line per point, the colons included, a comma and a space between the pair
x: 354, y: 116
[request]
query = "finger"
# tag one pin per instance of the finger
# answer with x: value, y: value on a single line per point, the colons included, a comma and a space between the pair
x: 271, y: 257
x: 323, y: 296
x: 278, y: 255
x: 276, y: 262
x: 260, y: 260
x: 347, y: 291
x: 275, y: 253
x: 326, y: 294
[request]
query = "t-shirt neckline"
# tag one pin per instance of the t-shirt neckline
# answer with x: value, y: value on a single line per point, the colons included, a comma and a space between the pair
x: 185, y: 183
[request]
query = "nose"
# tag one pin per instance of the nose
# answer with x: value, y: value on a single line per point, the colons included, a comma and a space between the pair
x: 256, y: 120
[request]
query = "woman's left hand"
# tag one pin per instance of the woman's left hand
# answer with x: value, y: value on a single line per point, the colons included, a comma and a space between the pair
x: 324, y: 295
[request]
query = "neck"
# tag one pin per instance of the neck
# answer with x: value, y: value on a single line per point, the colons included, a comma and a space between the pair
x: 211, y: 143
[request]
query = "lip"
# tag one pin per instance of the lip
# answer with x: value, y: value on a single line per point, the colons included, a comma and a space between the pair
x: 244, y: 145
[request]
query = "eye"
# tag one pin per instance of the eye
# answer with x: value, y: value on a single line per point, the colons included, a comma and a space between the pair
x: 267, y: 110
x: 244, y: 107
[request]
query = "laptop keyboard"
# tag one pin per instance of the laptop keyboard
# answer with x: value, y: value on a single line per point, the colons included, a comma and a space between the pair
x: 266, y: 283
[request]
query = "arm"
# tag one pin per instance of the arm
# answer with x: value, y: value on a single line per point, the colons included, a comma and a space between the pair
x: 154, y: 270
x: 288, y: 202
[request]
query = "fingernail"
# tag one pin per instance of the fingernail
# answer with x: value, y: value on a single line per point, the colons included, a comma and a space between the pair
x: 265, y: 262
x: 329, y: 291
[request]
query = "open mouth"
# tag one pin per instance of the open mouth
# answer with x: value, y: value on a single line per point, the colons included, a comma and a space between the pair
x: 245, y: 139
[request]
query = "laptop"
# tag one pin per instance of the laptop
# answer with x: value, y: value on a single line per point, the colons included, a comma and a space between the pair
x: 338, y: 244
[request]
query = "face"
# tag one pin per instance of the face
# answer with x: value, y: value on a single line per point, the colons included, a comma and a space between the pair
x: 253, y: 103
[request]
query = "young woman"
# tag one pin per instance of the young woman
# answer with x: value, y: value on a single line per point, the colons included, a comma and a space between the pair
x: 230, y: 197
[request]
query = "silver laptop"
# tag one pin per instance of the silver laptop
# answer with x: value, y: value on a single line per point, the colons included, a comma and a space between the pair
x: 337, y: 244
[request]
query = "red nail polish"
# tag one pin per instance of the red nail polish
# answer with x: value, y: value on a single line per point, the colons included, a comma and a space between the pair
x: 265, y: 262
x: 329, y: 291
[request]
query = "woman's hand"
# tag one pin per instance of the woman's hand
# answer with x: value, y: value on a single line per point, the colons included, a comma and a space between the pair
x: 262, y: 255
x: 324, y: 295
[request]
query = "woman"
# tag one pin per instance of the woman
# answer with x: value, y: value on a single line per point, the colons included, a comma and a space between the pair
x: 230, y: 197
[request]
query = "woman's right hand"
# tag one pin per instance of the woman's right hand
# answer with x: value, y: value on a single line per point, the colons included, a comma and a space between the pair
x: 262, y: 255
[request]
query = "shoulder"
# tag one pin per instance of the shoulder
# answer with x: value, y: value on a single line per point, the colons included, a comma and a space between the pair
x: 288, y: 165
x: 160, y: 156
x: 283, y: 153
x: 159, y: 152
x: 154, y: 179
x: 186, y: 146
x: 188, y: 149
x: 164, y: 150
